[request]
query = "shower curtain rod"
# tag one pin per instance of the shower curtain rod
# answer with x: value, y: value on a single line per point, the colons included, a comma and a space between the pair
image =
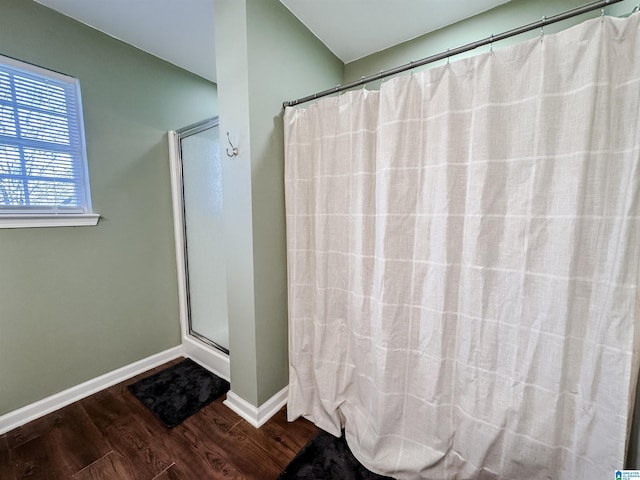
x: 455, y: 51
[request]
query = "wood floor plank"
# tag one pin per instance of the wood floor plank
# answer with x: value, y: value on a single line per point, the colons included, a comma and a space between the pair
x: 110, y: 467
x: 230, y: 417
x: 28, y: 432
x: 294, y: 435
x: 241, y: 450
x: 66, y: 443
x: 7, y: 468
x: 111, y: 434
x: 281, y: 439
x: 202, y: 453
x: 174, y: 472
x: 104, y: 408
x: 191, y: 451
x: 36, y: 460
x: 76, y: 439
x: 127, y: 434
x: 279, y: 451
x: 218, y: 415
x: 131, y: 437
x: 134, y: 405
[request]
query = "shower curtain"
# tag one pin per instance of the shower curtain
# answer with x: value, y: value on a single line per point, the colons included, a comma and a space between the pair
x: 463, y: 251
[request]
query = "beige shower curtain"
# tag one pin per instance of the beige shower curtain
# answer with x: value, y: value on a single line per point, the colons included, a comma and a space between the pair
x: 463, y: 251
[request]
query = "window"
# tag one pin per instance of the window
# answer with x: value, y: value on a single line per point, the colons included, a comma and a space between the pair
x: 43, y: 165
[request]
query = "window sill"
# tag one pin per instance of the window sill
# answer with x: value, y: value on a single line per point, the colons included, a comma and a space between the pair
x: 60, y: 220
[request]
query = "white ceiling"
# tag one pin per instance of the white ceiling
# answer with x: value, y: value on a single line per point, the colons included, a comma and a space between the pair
x: 353, y: 29
x: 181, y: 31
x: 178, y: 31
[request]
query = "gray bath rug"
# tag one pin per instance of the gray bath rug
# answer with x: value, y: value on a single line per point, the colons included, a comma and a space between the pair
x: 178, y: 391
x: 327, y: 458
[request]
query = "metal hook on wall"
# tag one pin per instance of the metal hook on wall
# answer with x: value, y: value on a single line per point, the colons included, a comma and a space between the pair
x: 234, y: 150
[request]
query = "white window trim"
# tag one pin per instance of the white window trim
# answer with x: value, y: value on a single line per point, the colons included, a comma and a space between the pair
x: 53, y: 218
x: 49, y: 220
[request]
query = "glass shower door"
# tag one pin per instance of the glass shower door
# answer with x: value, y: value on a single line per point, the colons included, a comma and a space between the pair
x: 203, y: 231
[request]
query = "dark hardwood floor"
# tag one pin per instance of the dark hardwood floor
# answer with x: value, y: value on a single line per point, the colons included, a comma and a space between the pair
x: 111, y: 435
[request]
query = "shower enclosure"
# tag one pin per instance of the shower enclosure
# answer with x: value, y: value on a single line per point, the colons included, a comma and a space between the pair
x: 198, y: 211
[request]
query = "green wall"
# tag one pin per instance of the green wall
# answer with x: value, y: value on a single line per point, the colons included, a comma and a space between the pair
x: 77, y: 302
x: 500, y: 19
x: 233, y: 83
x: 297, y: 63
x: 265, y: 56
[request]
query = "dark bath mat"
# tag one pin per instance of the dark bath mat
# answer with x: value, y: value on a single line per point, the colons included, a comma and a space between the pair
x: 179, y: 391
x: 327, y: 458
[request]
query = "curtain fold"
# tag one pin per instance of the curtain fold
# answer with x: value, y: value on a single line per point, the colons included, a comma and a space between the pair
x: 463, y: 251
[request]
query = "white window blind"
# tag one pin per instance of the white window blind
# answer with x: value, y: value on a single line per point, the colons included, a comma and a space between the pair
x: 43, y: 167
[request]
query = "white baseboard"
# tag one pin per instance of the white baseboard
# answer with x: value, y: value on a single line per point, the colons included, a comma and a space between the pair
x: 257, y: 416
x: 55, y: 402
x: 210, y: 358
